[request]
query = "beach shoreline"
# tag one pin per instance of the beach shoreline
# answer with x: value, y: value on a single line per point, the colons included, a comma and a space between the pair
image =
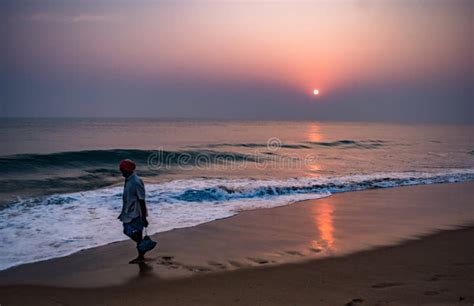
x: 392, y: 275
x: 297, y: 241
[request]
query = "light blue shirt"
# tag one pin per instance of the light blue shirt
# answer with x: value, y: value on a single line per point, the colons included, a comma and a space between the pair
x: 133, y: 191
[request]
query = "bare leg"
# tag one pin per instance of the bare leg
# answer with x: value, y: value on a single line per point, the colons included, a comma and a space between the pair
x: 137, y: 237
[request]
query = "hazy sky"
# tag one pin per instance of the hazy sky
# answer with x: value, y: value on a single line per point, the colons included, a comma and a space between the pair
x: 371, y: 60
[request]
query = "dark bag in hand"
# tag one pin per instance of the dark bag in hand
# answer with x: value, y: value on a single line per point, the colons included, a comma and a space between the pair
x: 146, y: 244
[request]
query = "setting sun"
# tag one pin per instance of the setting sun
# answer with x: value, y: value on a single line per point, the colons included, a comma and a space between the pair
x: 316, y: 92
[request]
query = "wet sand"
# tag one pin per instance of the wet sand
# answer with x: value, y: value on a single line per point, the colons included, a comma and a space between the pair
x: 314, y: 252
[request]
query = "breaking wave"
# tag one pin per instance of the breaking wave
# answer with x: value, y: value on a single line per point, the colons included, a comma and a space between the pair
x: 62, y: 224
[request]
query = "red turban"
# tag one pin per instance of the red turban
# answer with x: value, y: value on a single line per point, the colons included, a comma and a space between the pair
x: 127, y: 165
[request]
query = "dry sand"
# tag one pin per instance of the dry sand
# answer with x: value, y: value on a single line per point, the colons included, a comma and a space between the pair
x: 286, y: 254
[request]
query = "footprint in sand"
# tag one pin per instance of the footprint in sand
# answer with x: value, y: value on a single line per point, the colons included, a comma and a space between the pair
x: 386, y: 285
x: 217, y: 265
x: 260, y: 261
x: 236, y: 264
x: 197, y: 269
x: 294, y: 253
x: 168, y: 261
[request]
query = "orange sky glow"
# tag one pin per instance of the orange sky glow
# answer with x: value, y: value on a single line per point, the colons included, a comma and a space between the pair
x: 269, y: 55
x: 296, y: 44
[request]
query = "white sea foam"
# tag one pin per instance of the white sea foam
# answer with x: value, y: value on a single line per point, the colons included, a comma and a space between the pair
x: 54, y: 226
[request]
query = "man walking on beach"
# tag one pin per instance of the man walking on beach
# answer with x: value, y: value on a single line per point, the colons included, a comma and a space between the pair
x: 134, y: 210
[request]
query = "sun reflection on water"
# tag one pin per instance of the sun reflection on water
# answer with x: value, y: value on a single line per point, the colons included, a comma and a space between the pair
x: 324, y: 224
x: 313, y: 134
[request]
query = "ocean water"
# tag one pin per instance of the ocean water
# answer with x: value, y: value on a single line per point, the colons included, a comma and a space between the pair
x: 60, y: 185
